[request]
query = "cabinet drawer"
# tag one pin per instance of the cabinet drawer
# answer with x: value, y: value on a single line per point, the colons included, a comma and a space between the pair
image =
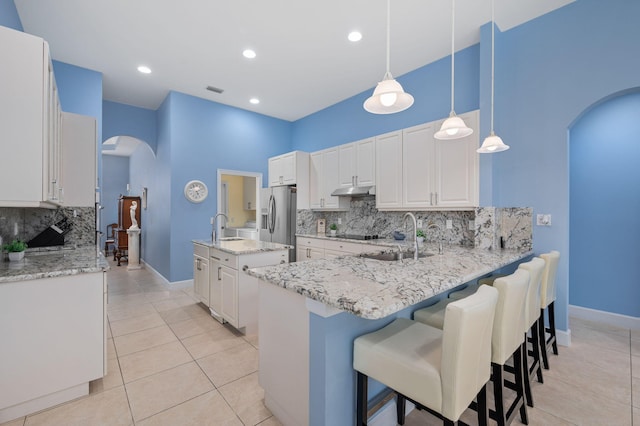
x: 227, y: 259
x: 200, y: 250
x: 304, y: 242
x: 263, y: 259
x: 343, y: 246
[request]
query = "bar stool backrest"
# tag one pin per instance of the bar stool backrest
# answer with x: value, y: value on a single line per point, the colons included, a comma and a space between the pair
x: 548, y: 286
x: 510, y: 311
x: 532, y: 310
x: 466, y: 349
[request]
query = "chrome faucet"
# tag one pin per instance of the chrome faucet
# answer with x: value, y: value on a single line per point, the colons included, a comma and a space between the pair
x: 214, y: 234
x: 433, y: 225
x: 415, y: 229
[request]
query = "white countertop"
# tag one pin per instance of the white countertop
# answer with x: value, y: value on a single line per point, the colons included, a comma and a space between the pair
x: 243, y: 246
x: 374, y: 289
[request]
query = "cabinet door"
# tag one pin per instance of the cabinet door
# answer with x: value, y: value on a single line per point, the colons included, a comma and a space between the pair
x: 275, y: 171
x: 389, y: 170
x: 365, y: 162
x: 289, y: 169
x: 201, y: 279
x: 229, y: 284
x: 418, y: 174
x: 330, y: 178
x: 348, y: 164
x: 456, y: 167
x: 215, y: 285
x: 315, y: 180
x: 79, y: 160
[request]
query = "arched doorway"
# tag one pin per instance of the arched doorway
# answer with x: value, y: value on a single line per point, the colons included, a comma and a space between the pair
x: 605, y: 207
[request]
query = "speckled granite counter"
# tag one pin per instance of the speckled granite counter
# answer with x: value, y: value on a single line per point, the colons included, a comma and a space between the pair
x: 243, y: 246
x: 374, y: 289
x: 36, y: 265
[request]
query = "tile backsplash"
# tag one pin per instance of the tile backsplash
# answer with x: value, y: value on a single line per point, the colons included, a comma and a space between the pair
x: 26, y: 223
x: 481, y: 228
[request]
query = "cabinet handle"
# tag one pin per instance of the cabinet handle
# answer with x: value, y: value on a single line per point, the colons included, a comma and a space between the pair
x: 308, y: 253
x: 245, y: 267
x: 283, y: 261
x: 198, y: 264
x: 356, y: 181
x: 216, y: 258
x: 219, y: 268
x: 436, y: 198
x: 353, y: 181
x: 431, y: 198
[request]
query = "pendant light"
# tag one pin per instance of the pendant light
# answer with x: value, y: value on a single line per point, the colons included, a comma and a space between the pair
x: 388, y: 97
x: 453, y: 127
x: 492, y: 143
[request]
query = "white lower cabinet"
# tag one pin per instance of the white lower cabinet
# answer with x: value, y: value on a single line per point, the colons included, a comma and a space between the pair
x: 222, y: 284
x: 53, y: 338
x: 308, y: 248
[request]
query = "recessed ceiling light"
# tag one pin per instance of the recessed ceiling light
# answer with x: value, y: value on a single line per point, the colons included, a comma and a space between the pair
x: 144, y: 69
x: 248, y: 53
x: 254, y: 101
x: 354, y: 36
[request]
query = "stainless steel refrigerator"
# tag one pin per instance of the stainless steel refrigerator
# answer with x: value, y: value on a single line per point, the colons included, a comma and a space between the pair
x: 278, y: 216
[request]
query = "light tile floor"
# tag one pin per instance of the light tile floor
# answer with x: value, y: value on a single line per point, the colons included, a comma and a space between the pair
x: 170, y: 363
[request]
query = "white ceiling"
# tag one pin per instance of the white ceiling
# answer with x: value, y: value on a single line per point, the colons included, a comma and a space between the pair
x: 305, y: 62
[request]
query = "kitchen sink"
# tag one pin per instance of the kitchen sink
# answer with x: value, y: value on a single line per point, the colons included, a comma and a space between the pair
x: 231, y: 239
x: 389, y: 257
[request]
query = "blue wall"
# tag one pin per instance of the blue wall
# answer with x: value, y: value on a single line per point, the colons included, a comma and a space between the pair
x: 112, y: 187
x: 142, y: 174
x: 9, y: 15
x: 605, y: 207
x: 205, y: 136
x: 126, y: 120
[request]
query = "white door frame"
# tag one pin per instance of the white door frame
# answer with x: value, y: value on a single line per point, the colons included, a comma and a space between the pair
x: 256, y: 175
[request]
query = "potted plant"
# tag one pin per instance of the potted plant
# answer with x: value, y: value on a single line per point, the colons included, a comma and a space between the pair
x: 16, y: 249
x: 420, y: 236
x: 333, y: 228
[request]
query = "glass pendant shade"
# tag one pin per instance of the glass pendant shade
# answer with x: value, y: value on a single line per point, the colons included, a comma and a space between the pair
x: 453, y: 128
x: 388, y: 97
x: 492, y: 143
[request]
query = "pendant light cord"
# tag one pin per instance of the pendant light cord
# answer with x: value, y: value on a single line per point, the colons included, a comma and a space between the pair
x: 453, y: 28
x: 492, y: 59
x: 388, y: 74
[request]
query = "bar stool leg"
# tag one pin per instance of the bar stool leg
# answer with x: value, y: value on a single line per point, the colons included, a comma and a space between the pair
x: 361, y: 403
x: 543, y: 340
x: 483, y: 411
x: 552, y: 328
x: 519, y: 378
x: 535, y: 342
x: 525, y: 368
x: 401, y: 405
x: 498, y: 390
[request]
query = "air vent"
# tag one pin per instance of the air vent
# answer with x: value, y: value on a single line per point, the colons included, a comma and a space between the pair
x: 214, y: 89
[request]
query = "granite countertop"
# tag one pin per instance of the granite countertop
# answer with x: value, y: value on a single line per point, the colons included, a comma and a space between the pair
x: 243, y: 246
x: 49, y: 264
x: 385, y: 242
x: 374, y: 289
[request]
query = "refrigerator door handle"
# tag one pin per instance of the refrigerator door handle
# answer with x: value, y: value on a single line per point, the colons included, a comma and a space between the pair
x: 272, y: 214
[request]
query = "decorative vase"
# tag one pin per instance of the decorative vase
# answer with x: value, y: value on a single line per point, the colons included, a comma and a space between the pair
x: 333, y: 232
x: 15, y: 256
x: 420, y: 240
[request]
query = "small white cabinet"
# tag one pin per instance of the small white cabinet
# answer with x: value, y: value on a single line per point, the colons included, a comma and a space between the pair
x: 324, y: 178
x: 357, y: 163
x: 291, y: 169
x: 389, y: 170
x: 29, y: 122
x: 308, y: 248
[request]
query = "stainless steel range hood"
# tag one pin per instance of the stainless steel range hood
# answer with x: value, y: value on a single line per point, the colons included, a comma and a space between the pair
x: 355, y: 191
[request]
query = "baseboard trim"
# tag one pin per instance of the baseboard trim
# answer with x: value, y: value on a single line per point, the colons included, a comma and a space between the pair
x: 563, y: 338
x: 610, y: 318
x: 176, y: 284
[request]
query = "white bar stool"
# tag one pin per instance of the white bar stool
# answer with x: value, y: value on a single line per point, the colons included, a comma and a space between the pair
x: 506, y: 341
x: 441, y: 371
x: 547, y: 299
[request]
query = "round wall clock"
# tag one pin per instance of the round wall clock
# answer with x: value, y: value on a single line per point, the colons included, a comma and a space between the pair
x: 196, y: 191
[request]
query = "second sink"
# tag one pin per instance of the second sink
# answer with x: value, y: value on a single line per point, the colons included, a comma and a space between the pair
x: 393, y: 256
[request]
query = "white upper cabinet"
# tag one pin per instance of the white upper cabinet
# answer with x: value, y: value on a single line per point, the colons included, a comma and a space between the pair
x: 292, y: 168
x: 415, y: 171
x: 29, y: 123
x: 79, y: 171
x: 324, y: 178
x: 389, y: 170
x: 357, y: 163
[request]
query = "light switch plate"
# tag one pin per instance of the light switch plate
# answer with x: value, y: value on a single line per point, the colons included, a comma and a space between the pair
x: 449, y: 224
x: 543, y: 220
x: 339, y: 221
x: 472, y: 225
x: 419, y: 223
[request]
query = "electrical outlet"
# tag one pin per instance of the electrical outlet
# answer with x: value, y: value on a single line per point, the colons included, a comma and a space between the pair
x: 449, y: 224
x: 420, y: 223
x: 472, y: 225
x: 211, y: 220
x: 543, y: 220
x: 339, y: 221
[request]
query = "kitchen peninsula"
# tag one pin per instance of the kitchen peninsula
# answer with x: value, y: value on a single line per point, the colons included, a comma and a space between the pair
x: 52, y: 328
x: 310, y: 313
